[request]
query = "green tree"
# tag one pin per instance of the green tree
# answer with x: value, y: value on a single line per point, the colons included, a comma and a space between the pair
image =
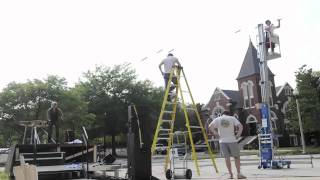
x: 309, y: 99
x: 30, y: 101
x: 109, y: 92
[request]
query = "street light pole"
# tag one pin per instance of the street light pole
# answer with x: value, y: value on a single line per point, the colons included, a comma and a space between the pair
x: 300, y: 123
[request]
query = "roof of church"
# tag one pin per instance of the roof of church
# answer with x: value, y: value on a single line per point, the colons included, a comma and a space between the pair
x: 278, y: 89
x: 234, y: 95
x: 250, y: 65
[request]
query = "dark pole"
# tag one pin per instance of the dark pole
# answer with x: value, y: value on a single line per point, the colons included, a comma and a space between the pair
x: 34, y: 147
x: 86, y: 141
x: 104, y: 136
x: 87, y: 156
x: 82, y: 151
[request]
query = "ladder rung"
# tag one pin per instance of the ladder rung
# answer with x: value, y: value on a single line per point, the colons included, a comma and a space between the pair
x: 265, y: 138
x: 163, y: 137
x: 201, y: 145
x: 179, y: 148
x: 164, y: 129
x: 195, y: 127
x: 179, y: 168
x: 160, y: 138
x: 191, y: 109
x: 169, y: 112
x: 162, y: 134
x: 169, y: 102
x: 166, y: 120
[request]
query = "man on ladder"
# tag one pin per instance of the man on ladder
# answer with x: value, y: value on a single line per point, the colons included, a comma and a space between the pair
x: 169, y: 62
x: 173, y: 72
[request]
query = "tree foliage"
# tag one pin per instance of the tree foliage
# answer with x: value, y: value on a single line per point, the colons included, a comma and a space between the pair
x: 30, y: 101
x: 308, y: 84
x: 109, y: 92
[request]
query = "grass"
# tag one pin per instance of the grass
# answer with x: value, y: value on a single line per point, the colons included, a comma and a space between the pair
x: 286, y: 151
x: 298, y: 150
x: 3, y: 176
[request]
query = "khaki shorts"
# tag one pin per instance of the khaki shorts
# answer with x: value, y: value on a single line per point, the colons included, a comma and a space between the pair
x: 230, y: 149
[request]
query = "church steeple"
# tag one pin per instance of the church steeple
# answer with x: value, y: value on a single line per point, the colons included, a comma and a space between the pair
x: 250, y: 65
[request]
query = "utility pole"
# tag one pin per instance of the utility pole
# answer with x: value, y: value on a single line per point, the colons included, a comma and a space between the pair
x: 296, y: 93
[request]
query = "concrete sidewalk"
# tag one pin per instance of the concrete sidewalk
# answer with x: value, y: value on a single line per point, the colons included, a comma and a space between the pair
x: 296, y: 171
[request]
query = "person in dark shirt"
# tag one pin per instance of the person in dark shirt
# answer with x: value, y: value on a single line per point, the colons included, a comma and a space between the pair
x: 54, y: 115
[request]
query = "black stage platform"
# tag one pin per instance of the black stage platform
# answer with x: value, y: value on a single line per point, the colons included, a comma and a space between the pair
x: 52, y: 160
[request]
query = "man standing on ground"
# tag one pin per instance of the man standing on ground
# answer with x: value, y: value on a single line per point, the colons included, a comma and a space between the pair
x: 224, y: 128
x: 54, y: 115
x: 169, y: 63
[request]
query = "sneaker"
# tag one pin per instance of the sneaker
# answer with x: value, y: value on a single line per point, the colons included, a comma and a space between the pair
x: 230, y: 176
x: 241, y: 176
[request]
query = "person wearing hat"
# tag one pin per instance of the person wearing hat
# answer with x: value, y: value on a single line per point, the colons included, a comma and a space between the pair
x: 227, y: 128
x: 169, y: 63
x: 271, y: 37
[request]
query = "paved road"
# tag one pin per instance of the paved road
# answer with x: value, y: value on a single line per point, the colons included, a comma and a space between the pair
x: 296, y: 171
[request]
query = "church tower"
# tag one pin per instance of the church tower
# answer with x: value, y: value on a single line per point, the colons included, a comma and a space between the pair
x: 250, y: 92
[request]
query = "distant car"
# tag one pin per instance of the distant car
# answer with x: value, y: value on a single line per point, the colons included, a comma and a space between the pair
x: 160, y: 149
x: 201, y: 147
x: 4, y: 150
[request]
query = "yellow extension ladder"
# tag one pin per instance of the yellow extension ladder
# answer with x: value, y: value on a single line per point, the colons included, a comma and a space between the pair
x: 165, y: 127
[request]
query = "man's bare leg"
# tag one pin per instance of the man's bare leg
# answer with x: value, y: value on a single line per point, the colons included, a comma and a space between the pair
x: 228, y: 164
x: 237, y: 163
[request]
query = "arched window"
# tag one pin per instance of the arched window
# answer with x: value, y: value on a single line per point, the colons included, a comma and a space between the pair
x: 285, y: 107
x: 248, y: 95
x: 274, y: 119
x: 251, y: 119
x: 270, y: 93
x: 216, y: 97
x: 245, y: 93
x: 252, y: 124
x: 250, y: 92
x: 284, y: 110
x: 288, y: 91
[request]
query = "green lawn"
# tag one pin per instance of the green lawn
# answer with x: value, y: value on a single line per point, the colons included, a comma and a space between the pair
x: 298, y: 150
x: 3, y: 176
x: 286, y: 151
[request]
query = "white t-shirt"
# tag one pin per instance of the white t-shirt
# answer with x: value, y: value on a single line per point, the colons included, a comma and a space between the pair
x: 168, y: 63
x: 271, y: 29
x: 225, y: 125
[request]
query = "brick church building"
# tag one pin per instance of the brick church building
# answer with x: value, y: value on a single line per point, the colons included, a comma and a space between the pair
x: 245, y: 101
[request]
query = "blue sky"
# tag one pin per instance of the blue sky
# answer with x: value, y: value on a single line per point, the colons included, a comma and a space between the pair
x: 66, y: 38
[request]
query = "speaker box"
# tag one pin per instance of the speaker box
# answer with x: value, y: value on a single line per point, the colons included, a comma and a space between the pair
x: 109, y: 159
